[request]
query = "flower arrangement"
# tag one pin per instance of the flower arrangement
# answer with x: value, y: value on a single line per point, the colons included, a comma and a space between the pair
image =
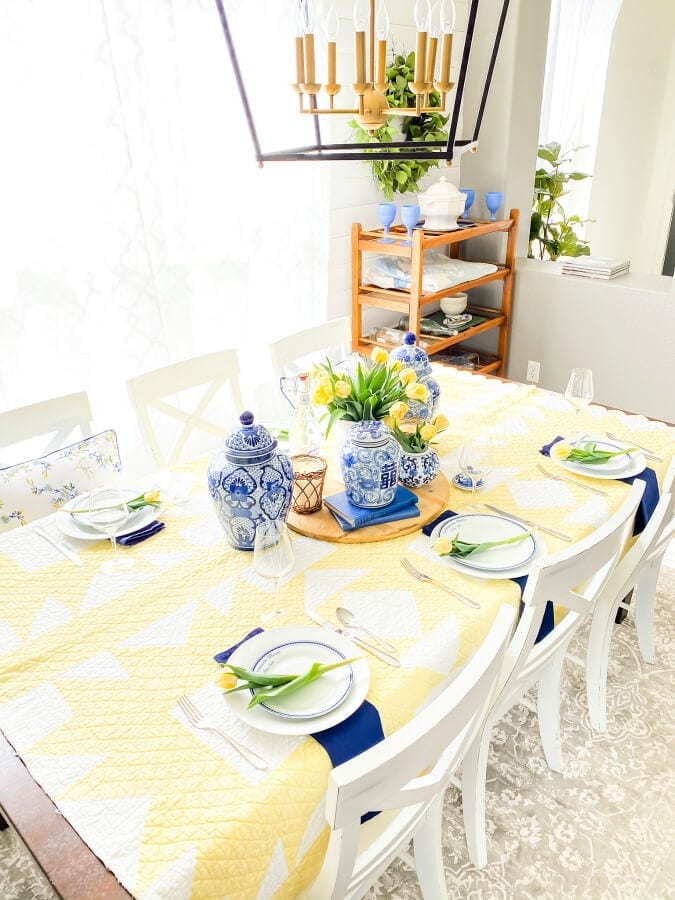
x: 377, y: 388
x: 416, y: 437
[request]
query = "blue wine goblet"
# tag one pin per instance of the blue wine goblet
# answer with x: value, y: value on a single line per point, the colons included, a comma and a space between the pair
x: 470, y: 197
x: 386, y: 213
x: 410, y: 214
x: 493, y: 200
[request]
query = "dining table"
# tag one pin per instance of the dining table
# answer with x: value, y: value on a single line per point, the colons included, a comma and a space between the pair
x: 92, y: 665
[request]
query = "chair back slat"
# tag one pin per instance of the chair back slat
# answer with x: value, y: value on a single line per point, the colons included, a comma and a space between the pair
x: 291, y: 355
x: 49, y: 425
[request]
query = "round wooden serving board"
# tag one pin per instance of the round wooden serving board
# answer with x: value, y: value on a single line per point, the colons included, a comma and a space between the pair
x: 322, y: 525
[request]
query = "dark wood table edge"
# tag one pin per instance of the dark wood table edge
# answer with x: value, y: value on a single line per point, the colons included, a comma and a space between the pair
x: 71, y: 867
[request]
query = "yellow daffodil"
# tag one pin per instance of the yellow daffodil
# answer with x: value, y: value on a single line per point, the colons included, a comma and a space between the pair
x: 379, y: 356
x: 342, y: 388
x: 443, y: 546
x: 415, y: 391
x: 428, y: 432
x: 398, y: 410
x: 440, y: 422
x: 407, y: 376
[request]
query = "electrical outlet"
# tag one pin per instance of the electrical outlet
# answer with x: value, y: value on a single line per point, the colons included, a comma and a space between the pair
x: 532, y: 372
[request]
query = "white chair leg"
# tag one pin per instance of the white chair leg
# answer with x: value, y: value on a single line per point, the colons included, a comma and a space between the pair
x: 644, y: 595
x: 548, y: 710
x: 428, y: 854
x: 597, y: 662
x: 474, y: 774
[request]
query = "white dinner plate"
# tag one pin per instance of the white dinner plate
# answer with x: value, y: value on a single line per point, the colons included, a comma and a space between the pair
x: 73, y: 527
x: 617, y: 467
x: 258, y: 647
x: 317, y: 698
x: 510, y: 561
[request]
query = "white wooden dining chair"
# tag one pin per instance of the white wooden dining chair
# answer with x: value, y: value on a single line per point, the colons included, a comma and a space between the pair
x: 573, y: 579
x: 406, y: 775
x: 48, y: 425
x: 294, y: 354
x: 637, y: 571
x: 174, y: 402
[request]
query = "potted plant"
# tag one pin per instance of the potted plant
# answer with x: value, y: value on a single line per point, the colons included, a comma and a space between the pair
x: 419, y: 463
x: 403, y: 176
x: 552, y: 231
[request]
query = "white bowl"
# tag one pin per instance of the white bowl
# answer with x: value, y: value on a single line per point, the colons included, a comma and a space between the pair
x: 454, y: 305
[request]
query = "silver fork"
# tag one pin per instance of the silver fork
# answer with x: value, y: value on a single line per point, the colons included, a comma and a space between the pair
x: 199, y: 720
x: 580, y: 484
x: 420, y: 576
x: 647, y: 452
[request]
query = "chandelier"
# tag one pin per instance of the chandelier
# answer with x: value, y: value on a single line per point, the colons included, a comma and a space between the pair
x: 433, y: 56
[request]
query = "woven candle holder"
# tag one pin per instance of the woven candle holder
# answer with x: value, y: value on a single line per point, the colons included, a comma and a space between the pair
x: 309, y: 473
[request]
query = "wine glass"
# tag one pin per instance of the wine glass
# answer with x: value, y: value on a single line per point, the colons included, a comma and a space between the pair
x: 475, y: 460
x: 410, y: 214
x: 109, y: 513
x: 273, y: 558
x: 386, y: 213
x: 493, y: 200
x: 470, y: 197
x: 579, y: 390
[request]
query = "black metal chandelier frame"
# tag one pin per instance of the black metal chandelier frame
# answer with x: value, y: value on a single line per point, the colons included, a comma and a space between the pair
x: 423, y: 150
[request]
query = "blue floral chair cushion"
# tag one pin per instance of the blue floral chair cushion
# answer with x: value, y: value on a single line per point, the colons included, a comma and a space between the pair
x: 33, y: 489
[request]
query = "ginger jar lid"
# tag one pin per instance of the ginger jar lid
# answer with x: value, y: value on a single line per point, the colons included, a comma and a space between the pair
x: 369, y: 433
x: 412, y: 356
x: 249, y: 444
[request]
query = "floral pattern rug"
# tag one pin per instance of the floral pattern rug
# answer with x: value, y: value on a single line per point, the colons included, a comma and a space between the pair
x: 604, y: 828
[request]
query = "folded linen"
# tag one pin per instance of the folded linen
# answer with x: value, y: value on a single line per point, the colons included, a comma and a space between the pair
x: 141, y: 534
x: 440, y: 272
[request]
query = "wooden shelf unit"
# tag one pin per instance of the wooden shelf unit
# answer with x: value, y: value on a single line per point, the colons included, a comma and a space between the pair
x: 411, y: 302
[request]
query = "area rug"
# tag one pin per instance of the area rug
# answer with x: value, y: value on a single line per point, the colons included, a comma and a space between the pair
x: 604, y: 828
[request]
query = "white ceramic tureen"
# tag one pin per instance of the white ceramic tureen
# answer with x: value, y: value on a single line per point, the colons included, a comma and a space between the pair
x: 440, y: 205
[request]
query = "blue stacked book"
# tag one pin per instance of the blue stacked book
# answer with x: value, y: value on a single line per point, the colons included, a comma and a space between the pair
x: 349, y: 517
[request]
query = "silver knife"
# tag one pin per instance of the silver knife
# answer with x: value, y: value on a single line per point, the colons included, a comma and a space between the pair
x: 504, y: 512
x: 647, y: 452
x: 58, y: 545
x: 371, y: 648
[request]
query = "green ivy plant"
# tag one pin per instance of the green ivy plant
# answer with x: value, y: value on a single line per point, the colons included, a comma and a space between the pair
x: 552, y: 232
x: 402, y: 176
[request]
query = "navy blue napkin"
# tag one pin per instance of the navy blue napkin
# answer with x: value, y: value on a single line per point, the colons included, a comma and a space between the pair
x: 141, y: 534
x: 546, y: 623
x: 345, y: 740
x: 650, y: 498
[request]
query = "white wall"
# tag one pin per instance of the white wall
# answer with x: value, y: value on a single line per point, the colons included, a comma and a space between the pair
x: 634, y: 175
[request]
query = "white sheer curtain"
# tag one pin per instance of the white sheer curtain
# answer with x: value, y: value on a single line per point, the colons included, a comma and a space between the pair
x: 138, y: 228
x: 580, y: 35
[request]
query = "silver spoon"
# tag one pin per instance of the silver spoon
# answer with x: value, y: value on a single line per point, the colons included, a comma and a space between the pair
x: 347, y: 617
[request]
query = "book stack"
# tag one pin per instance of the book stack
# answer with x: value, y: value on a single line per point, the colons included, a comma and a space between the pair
x: 595, y: 266
x: 349, y: 517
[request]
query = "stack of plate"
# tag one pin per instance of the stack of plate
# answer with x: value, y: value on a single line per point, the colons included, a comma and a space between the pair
x: 317, y: 706
x: 76, y: 525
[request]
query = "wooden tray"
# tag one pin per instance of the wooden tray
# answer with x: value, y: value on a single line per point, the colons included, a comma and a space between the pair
x: 322, y: 525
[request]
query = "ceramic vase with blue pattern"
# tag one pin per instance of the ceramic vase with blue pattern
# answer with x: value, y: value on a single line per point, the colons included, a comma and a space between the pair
x: 417, y: 469
x: 249, y: 480
x: 369, y: 461
x: 413, y: 357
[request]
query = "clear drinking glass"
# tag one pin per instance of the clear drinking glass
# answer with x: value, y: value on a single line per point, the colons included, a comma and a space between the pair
x: 475, y: 460
x: 273, y: 558
x: 108, y: 513
x: 579, y: 390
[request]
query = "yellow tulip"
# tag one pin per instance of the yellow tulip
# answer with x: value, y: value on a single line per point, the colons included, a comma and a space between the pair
x: 427, y: 432
x: 324, y: 379
x: 320, y: 397
x: 388, y: 421
x: 151, y: 496
x: 398, y: 410
x: 407, y: 376
x: 342, y: 388
x: 443, y: 546
x: 416, y: 391
x: 396, y: 366
x: 227, y: 680
x: 440, y: 422
x: 379, y: 356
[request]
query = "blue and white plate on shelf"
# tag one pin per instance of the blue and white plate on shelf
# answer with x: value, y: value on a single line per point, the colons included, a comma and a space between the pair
x: 463, y: 482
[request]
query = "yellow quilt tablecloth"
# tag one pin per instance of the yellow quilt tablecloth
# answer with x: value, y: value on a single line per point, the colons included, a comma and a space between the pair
x: 91, y: 665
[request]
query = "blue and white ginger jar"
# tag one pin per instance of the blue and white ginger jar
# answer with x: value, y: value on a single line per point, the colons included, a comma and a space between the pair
x: 369, y: 460
x: 249, y: 481
x: 417, y: 469
x: 413, y: 357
